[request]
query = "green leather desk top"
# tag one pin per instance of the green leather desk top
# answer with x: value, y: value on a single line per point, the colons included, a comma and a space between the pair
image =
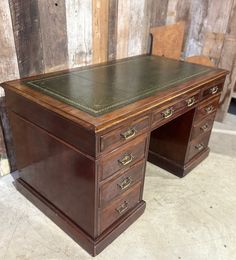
x: 104, y: 88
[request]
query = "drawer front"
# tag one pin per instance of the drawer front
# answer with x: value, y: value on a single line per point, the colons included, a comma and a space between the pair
x: 123, y: 157
x: 175, y: 109
x: 206, y: 108
x: 198, y: 145
x: 119, y: 207
x: 117, y: 186
x: 203, y: 127
x: 123, y: 134
x: 212, y: 90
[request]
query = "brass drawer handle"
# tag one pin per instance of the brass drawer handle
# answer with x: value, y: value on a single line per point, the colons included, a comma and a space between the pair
x: 125, y: 183
x: 126, y: 159
x: 204, y: 128
x: 190, y: 101
x: 214, y: 90
x: 199, y: 147
x: 129, y: 133
x: 123, y: 207
x: 209, y: 109
x: 168, y: 112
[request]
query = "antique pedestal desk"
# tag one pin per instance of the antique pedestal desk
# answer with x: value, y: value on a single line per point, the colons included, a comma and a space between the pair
x: 82, y: 138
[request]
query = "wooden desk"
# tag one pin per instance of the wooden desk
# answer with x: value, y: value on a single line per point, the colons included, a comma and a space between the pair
x: 82, y: 138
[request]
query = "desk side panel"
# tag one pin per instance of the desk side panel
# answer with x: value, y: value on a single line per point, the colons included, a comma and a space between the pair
x: 57, y: 171
x: 80, y: 137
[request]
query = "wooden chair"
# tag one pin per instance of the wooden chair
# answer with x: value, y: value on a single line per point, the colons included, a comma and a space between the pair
x: 200, y: 59
x: 167, y: 40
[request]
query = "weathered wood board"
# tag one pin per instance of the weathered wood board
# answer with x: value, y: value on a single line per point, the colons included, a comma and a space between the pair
x: 112, y: 29
x: 79, y: 32
x: 53, y: 34
x: 100, y: 30
x: 26, y: 29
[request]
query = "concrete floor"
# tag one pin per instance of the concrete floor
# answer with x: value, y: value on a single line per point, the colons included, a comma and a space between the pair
x: 190, y: 218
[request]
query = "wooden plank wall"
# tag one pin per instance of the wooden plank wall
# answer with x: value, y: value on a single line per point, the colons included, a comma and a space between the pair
x: 38, y: 36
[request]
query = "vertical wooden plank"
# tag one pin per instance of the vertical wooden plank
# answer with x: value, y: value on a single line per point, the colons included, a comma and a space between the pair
x: 100, y: 30
x: 208, y: 16
x: 158, y: 10
x: 79, y: 32
x: 198, y: 13
x: 26, y: 28
x: 123, y: 28
x: 179, y: 10
x: 231, y: 29
x: 8, y: 65
x: 54, y: 36
x: 227, y: 61
x: 8, y: 71
x: 136, y: 22
x: 213, y: 45
x: 146, y: 26
x: 112, y: 29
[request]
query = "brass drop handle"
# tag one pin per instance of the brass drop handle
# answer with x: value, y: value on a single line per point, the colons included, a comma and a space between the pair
x: 214, y: 90
x: 122, y: 208
x: 209, y: 109
x: 129, y: 133
x: 126, y: 159
x: 125, y: 183
x: 199, y: 147
x: 205, y: 127
x: 168, y: 112
x: 190, y: 101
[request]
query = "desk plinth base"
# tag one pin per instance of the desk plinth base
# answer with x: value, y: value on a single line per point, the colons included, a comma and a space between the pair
x: 174, y: 168
x: 92, y: 246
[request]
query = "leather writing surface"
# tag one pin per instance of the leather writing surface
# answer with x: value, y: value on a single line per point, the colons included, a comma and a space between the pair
x: 104, y: 88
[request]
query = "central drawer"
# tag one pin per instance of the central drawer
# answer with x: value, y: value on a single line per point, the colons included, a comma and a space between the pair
x: 123, y: 157
x: 172, y: 110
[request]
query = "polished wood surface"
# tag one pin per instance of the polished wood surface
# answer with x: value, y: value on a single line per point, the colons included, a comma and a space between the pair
x: 87, y: 172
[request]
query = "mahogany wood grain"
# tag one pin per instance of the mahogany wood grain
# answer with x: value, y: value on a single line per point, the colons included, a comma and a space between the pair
x: 113, y: 187
x: 56, y: 171
x: 79, y: 170
x: 119, y: 207
x: 206, y: 108
x: 123, y: 157
x: 203, y: 126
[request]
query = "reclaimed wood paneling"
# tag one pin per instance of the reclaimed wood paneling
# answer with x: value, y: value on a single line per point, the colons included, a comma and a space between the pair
x: 231, y: 30
x: 112, y: 29
x: 8, y: 65
x: 227, y: 61
x: 26, y: 29
x: 158, y: 12
x: 79, y: 32
x: 100, y: 30
x: 54, y: 34
x: 123, y: 28
x: 136, y: 27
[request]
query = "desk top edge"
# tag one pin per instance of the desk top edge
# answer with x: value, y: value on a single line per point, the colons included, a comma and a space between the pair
x: 97, y: 123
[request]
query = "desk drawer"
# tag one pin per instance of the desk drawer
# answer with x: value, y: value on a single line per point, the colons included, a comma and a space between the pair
x: 212, y: 90
x: 206, y: 108
x: 115, y: 187
x: 119, y: 207
x: 123, y: 134
x: 175, y: 109
x: 123, y: 157
x: 198, y: 145
x: 203, y: 126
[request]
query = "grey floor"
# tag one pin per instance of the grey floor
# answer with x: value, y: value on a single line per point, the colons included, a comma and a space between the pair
x: 190, y: 218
